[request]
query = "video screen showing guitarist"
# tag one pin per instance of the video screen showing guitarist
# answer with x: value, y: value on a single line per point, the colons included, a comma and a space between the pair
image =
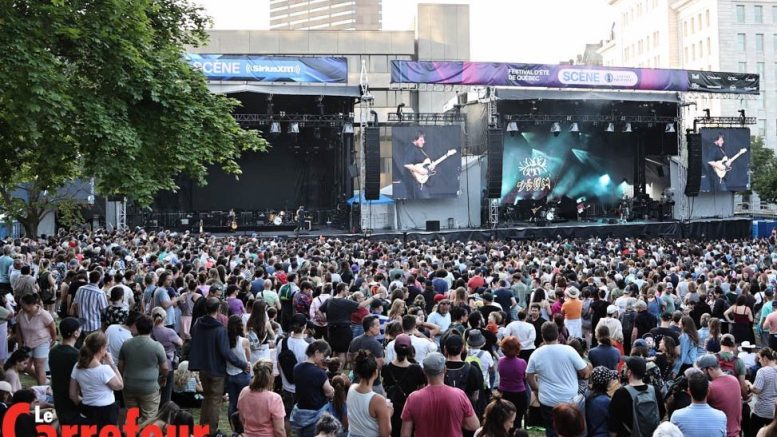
x: 726, y: 169
x: 424, y: 172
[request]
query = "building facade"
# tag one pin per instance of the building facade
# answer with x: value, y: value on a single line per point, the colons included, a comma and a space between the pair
x: 711, y: 35
x: 325, y: 14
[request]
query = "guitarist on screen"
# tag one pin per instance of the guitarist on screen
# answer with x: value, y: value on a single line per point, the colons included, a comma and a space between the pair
x: 720, y: 162
x: 421, y: 169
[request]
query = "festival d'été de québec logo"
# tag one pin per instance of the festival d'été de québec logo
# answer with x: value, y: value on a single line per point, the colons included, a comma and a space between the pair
x: 44, y: 426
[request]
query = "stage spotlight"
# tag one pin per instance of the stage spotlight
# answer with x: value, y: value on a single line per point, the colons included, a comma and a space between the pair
x: 275, y: 127
x: 512, y: 127
x: 627, y: 128
x: 610, y: 127
x: 294, y: 127
x: 574, y: 128
x: 555, y: 129
x: 347, y: 127
x: 604, y: 180
x: 669, y: 128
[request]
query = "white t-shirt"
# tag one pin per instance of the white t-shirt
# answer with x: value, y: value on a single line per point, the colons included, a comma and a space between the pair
x: 94, y: 385
x: 298, y: 346
x: 556, y: 367
x: 422, y: 346
x: 117, y: 335
x: 443, y: 322
x: 524, y: 332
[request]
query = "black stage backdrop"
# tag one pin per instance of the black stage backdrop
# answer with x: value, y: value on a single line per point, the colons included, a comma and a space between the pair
x: 718, y: 147
x: 439, y: 142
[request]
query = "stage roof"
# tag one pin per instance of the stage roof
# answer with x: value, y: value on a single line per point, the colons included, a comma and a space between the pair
x: 290, y: 89
x: 551, y: 94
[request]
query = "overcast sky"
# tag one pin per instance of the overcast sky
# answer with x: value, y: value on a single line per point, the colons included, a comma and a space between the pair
x: 542, y: 31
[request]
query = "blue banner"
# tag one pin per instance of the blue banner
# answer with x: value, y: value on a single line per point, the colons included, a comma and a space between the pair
x: 270, y: 68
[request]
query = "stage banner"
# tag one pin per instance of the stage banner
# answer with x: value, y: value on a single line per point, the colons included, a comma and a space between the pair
x: 725, y: 155
x: 426, y: 161
x: 714, y: 82
x: 560, y: 76
x: 270, y: 68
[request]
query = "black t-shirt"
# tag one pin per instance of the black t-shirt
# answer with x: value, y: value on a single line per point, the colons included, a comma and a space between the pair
x: 62, y: 358
x: 474, y: 379
x: 644, y: 322
x: 538, y: 329
x: 410, y: 378
x: 598, y: 311
x: 338, y: 310
x: 622, y: 411
x: 699, y: 308
x: 309, y: 381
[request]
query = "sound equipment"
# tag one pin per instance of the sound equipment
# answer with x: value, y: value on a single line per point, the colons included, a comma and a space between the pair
x: 372, y: 163
x: 693, y: 180
x: 432, y: 226
x: 495, y: 150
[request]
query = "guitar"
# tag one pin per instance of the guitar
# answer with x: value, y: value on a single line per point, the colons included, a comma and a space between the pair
x: 429, y: 166
x: 233, y: 225
x: 723, y: 166
x: 582, y: 207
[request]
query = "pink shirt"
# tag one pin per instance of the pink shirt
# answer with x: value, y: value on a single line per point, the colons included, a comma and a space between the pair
x: 437, y: 410
x: 35, y: 329
x: 725, y: 395
x: 261, y: 408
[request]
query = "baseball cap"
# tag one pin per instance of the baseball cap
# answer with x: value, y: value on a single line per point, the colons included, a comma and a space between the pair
x: 434, y: 364
x: 707, y: 361
x: 612, y: 309
x: 769, y: 292
x: 6, y: 387
x: 68, y: 326
x: 637, y: 365
x: 402, y: 340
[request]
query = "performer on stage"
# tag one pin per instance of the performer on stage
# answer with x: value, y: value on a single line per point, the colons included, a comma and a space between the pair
x: 299, y: 217
x: 232, y: 220
x: 418, y: 169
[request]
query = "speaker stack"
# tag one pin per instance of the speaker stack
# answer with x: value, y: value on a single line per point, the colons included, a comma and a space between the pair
x: 495, y: 143
x: 372, y: 163
x: 693, y: 182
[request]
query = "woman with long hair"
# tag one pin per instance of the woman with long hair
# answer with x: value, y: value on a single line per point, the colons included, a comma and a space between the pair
x: 765, y: 388
x: 88, y: 387
x: 397, y: 310
x: 237, y: 378
x: 689, y: 345
x: 400, y: 378
x: 163, y: 418
x: 369, y: 414
x: 712, y: 343
x: 666, y: 357
x: 260, y: 333
x: 567, y: 420
x: 261, y: 409
x: 168, y: 338
x: 18, y: 362
x: 512, y: 378
x: 337, y: 406
x: 499, y: 418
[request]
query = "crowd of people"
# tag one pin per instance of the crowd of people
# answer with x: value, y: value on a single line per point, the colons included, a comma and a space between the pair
x: 330, y: 337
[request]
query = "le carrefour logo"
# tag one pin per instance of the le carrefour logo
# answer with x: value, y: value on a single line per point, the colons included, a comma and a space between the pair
x: 578, y: 76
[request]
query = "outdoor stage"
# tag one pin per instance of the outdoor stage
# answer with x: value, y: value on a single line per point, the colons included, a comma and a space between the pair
x: 710, y: 229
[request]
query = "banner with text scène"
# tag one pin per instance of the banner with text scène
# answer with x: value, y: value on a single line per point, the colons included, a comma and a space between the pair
x: 270, y: 68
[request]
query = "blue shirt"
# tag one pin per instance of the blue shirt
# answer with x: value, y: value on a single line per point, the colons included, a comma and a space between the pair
x: 606, y: 356
x: 700, y: 420
x: 5, y: 269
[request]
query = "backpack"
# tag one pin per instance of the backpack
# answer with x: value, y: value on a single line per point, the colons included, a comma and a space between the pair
x: 729, y: 367
x: 46, y: 293
x: 475, y: 361
x: 394, y: 392
x: 759, y: 305
x: 287, y: 360
x: 646, y: 418
x: 458, y: 377
x: 286, y: 293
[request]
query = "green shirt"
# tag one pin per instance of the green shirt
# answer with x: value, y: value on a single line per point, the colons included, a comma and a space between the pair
x: 62, y: 359
x: 142, y: 357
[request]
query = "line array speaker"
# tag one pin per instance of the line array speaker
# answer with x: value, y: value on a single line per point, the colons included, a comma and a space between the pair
x: 372, y: 163
x: 693, y: 182
x: 495, y: 143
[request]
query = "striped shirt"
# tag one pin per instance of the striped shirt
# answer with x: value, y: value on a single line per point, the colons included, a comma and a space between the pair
x: 91, y: 302
x: 700, y: 420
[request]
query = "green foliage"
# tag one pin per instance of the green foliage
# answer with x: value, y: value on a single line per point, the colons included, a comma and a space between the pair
x: 101, y: 89
x: 764, y: 167
x: 69, y: 214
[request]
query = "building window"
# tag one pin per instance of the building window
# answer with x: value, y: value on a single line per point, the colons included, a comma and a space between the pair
x: 741, y: 42
x: 740, y: 14
x: 686, y: 54
x: 758, y: 14
x: 707, y: 17
x: 761, y: 68
x: 761, y: 127
x: 693, y: 25
x: 685, y: 28
x: 774, y: 14
x: 709, y: 46
x: 743, y: 67
x: 693, y: 52
x: 759, y: 43
x: 655, y: 39
x: 699, y: 21
x: 639, y: 47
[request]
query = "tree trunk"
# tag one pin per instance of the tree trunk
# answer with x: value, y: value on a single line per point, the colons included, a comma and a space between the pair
x: 30, y: 224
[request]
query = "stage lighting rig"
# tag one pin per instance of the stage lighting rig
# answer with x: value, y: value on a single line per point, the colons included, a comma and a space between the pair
x: 512, y: 128
x: 555, y: 129
x: 627, y: 128
x: 574, y: 128
x: 669, y: 128
x: 610, y: 127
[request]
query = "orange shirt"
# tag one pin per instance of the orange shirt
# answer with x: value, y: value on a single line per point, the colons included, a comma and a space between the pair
x: 572, y: 309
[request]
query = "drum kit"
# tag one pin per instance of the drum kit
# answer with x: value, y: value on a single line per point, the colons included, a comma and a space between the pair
x: 546, y: 213
x: 277, y: 218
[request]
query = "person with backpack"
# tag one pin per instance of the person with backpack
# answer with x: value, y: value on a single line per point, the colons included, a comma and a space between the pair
x: 635, y: 409
x: 699, y: 419
x: 400, y: 378
x: 730, y: 363
x: 286, y: 295
x: 47, y: 286
x: 724, y: 393
x: 291, y: 350
x: 465, y: 376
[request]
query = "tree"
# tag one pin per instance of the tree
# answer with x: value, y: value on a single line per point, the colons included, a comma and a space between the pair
x: 101, y: 90
x: 764, y: 171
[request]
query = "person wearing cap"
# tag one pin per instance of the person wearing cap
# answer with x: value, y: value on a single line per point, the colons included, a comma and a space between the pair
x: 622, y: 422
x: 475, y: 342
x: 552, y: 373
x: 62, y: 358
x: 209, y: 353
x: 437, y: 409
x: 421, y: 344
x: 401, y: 377
x: 572, y: 309
x: 441, y: 317
x: 724, y: 393
x: 699, y: 419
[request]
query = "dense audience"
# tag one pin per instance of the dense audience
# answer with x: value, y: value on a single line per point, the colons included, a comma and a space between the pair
x: 330, y: 337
